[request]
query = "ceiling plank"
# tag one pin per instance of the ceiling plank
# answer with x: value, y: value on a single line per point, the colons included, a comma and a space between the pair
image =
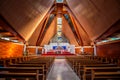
x: 46, y: 28
x: 9, y: 28
x: 76, y: 29
x: 70, y: 12
x: 72, y: 27
x: 115, y: 27
x: 44, y: 21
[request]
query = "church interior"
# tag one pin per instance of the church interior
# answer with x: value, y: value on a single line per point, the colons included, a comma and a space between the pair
x: 59, y: 39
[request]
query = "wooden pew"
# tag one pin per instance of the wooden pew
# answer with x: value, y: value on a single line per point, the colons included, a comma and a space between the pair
x: 114, y: 60
x: 37, y: 62
x: 102, y: 73
x: 31, y: 65
x: 22, y: 72
x: 79, y: 63
x: 5, y: 61
x: 81, y: 68
x: 46, y: 63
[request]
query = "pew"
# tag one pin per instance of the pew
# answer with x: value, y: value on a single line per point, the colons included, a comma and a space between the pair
x: 114, y: 60
x: 15, y: 67
x: 79, y: 63
x: 47, y: 62
x: 36, y: 62
x: 37, y: 73
x: 5, y: 61
x: 32, y: 65
x: 102, y: 73
x: 81, y: 67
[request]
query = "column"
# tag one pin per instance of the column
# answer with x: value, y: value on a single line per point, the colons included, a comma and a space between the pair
x: 95, y: 51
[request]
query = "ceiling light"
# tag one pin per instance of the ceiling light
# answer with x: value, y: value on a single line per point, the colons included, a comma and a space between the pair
x: 5, y: 38
x: 14, y: 40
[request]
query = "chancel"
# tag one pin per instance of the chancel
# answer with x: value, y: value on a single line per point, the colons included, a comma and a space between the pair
x: 59, y: 48
x: 59, y: 39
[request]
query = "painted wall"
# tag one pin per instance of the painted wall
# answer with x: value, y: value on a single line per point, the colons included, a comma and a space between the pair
x: 109, y: 50
x: 9, y: 49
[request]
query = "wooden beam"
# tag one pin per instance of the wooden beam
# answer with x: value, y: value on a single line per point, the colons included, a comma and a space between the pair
x: 71, y: 12
x: 63, y: 12
x: 8, y: 27
x: 45, y: 30
x: 76, y: 29
x: 43, y: 22
x: 73, y: 30
x: 115, y: 27
x: 42, y: 32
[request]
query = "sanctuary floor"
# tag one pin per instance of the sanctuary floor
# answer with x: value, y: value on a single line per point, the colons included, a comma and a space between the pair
x: 61, y: 71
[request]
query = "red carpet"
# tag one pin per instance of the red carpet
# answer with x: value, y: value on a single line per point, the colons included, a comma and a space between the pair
x: 55, y: 54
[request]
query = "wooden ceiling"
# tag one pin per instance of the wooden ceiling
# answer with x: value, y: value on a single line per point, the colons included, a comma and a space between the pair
x: 34, y: 21
x: 8, y: 33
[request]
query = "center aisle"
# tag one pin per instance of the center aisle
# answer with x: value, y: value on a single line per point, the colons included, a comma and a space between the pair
x: 61, y: 71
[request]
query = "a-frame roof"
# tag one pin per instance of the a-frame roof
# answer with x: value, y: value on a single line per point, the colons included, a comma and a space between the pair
x: 84, y: 21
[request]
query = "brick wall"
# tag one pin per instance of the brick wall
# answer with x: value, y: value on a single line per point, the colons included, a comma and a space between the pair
x: 9, y: 49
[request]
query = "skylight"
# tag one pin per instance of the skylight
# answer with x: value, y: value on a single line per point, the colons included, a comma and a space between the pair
x: 59, y: 1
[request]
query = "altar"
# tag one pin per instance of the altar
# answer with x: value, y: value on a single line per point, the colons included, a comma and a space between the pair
x: 61, y: 48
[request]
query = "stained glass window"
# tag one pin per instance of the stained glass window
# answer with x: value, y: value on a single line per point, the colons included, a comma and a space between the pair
x: 59, y: 20
x: 59, y: 29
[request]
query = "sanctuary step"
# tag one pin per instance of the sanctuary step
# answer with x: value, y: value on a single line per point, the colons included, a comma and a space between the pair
x: 56, y: 54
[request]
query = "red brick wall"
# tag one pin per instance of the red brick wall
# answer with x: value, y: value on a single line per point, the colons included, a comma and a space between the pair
x: 109, y: 50
x: 9, y: 49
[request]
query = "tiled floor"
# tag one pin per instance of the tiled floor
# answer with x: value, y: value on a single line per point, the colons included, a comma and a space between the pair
x: 61, y: 71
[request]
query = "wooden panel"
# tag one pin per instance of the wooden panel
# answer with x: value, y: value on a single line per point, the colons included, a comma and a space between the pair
x: 109, y: 50
x: 31, y: 51
x: 40, y: 50
x: 24, y: 15
x: 89, y: 50
x: 9, y: 49
x: 77, y: 50
x: 96, y: 16
x: 85, y: 38
x: 66, y: 30
x: 49, y: 33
